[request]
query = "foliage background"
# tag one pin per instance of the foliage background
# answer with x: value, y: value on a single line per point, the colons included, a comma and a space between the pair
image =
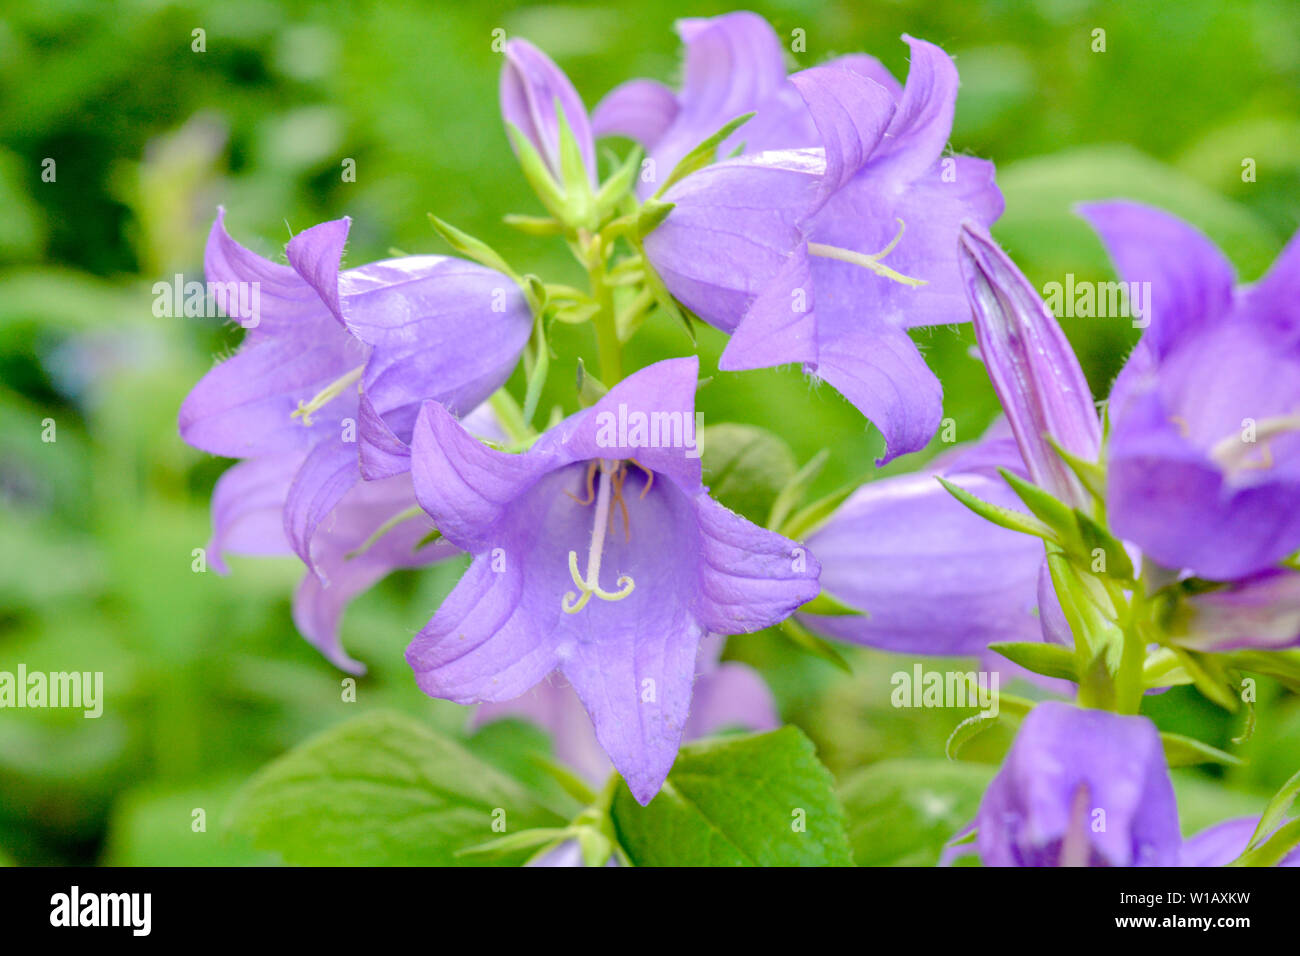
x: 205, y: 677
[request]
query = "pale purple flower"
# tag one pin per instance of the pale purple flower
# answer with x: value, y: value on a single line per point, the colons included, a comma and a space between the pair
x: 929, y: 575
x: 1080, y: 788
x: 1203, y: 458
x: 833, y: 159
x: 1033, y: 369
x: 599, y: 553
x: 288, y: 401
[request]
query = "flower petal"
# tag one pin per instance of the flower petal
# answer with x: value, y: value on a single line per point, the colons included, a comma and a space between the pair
x: 641, y: 110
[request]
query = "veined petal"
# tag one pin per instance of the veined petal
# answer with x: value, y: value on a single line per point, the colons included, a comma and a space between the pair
x: 247, y: 509
x: 1262, y: 611
x: 750, y: 578
x: 1274, y: 301
x: 1191, y: 281
x: 922, y: 124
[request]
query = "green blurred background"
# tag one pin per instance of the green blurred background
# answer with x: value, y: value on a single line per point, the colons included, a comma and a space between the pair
x: 205, y: 677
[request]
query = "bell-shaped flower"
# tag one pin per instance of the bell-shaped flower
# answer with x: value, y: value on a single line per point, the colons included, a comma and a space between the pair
x: 1203, y: 456
x: 599, y: 553
x: 835, y: 230
x: 929, y: 575
x: 290, y: 399
x: 1080, y: 788
x: 1034, y: 370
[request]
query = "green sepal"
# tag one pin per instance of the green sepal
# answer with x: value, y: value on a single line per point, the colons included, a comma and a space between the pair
x: 579, y: 204
x: 663, y: 298
x: 540, y: 226
x: 1003, y: 517
x: 1181, y: 751
x: 1091, y: 474
x: 428, y: 539
x: 1050, y: 660
x: 1282, y: 666
x: 1093, y: 536
x: 702, y: 155
x: 537, y: 374
x: 618, y: 186
x: 651, y: 214
x: 826, y: 604
x: 590, y: 388
x: 475, y: 249
x: 1052, y: 511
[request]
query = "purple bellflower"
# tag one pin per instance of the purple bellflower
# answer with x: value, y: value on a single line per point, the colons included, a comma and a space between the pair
x: 335, y: 364
x: 931, y: 576
x: 599, y: 553
x: 1080, y: 788
x: 835, y: 230
x: 1203, y: 458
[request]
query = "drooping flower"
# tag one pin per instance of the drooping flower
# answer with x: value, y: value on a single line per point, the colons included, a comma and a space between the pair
x: 290, y: 402
x: 599, y: 553
x: 1080, y: 788
x: 727, y: 696
x: 931, y: 576
x: 834, y: 232
x: 1034, y: 371
x: 1203, y: 457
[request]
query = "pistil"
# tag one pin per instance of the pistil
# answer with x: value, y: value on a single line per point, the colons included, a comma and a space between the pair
x: 574, y: 602
x: 326, y: 395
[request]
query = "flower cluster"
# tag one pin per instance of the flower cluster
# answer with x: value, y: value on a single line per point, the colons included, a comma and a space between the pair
x: 816, y: 218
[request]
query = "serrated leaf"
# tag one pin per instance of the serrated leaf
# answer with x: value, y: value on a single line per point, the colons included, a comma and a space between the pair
x: 757, y: 800
x: 381, y: 789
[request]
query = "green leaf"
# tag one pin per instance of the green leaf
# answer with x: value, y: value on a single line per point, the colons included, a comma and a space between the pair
x: 381, y: 789
x: 702, y: 155
x: 1283, y: 666
x: 1051, y: 660
x: 652, y: 213
x: 1003, y: 517
x: 758, y: 800
x: 903, y: 812
x: 745, y: 467
x: 1181, y: 751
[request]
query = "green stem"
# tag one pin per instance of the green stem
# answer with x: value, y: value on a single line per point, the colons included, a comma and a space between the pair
x: 608, y: 348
